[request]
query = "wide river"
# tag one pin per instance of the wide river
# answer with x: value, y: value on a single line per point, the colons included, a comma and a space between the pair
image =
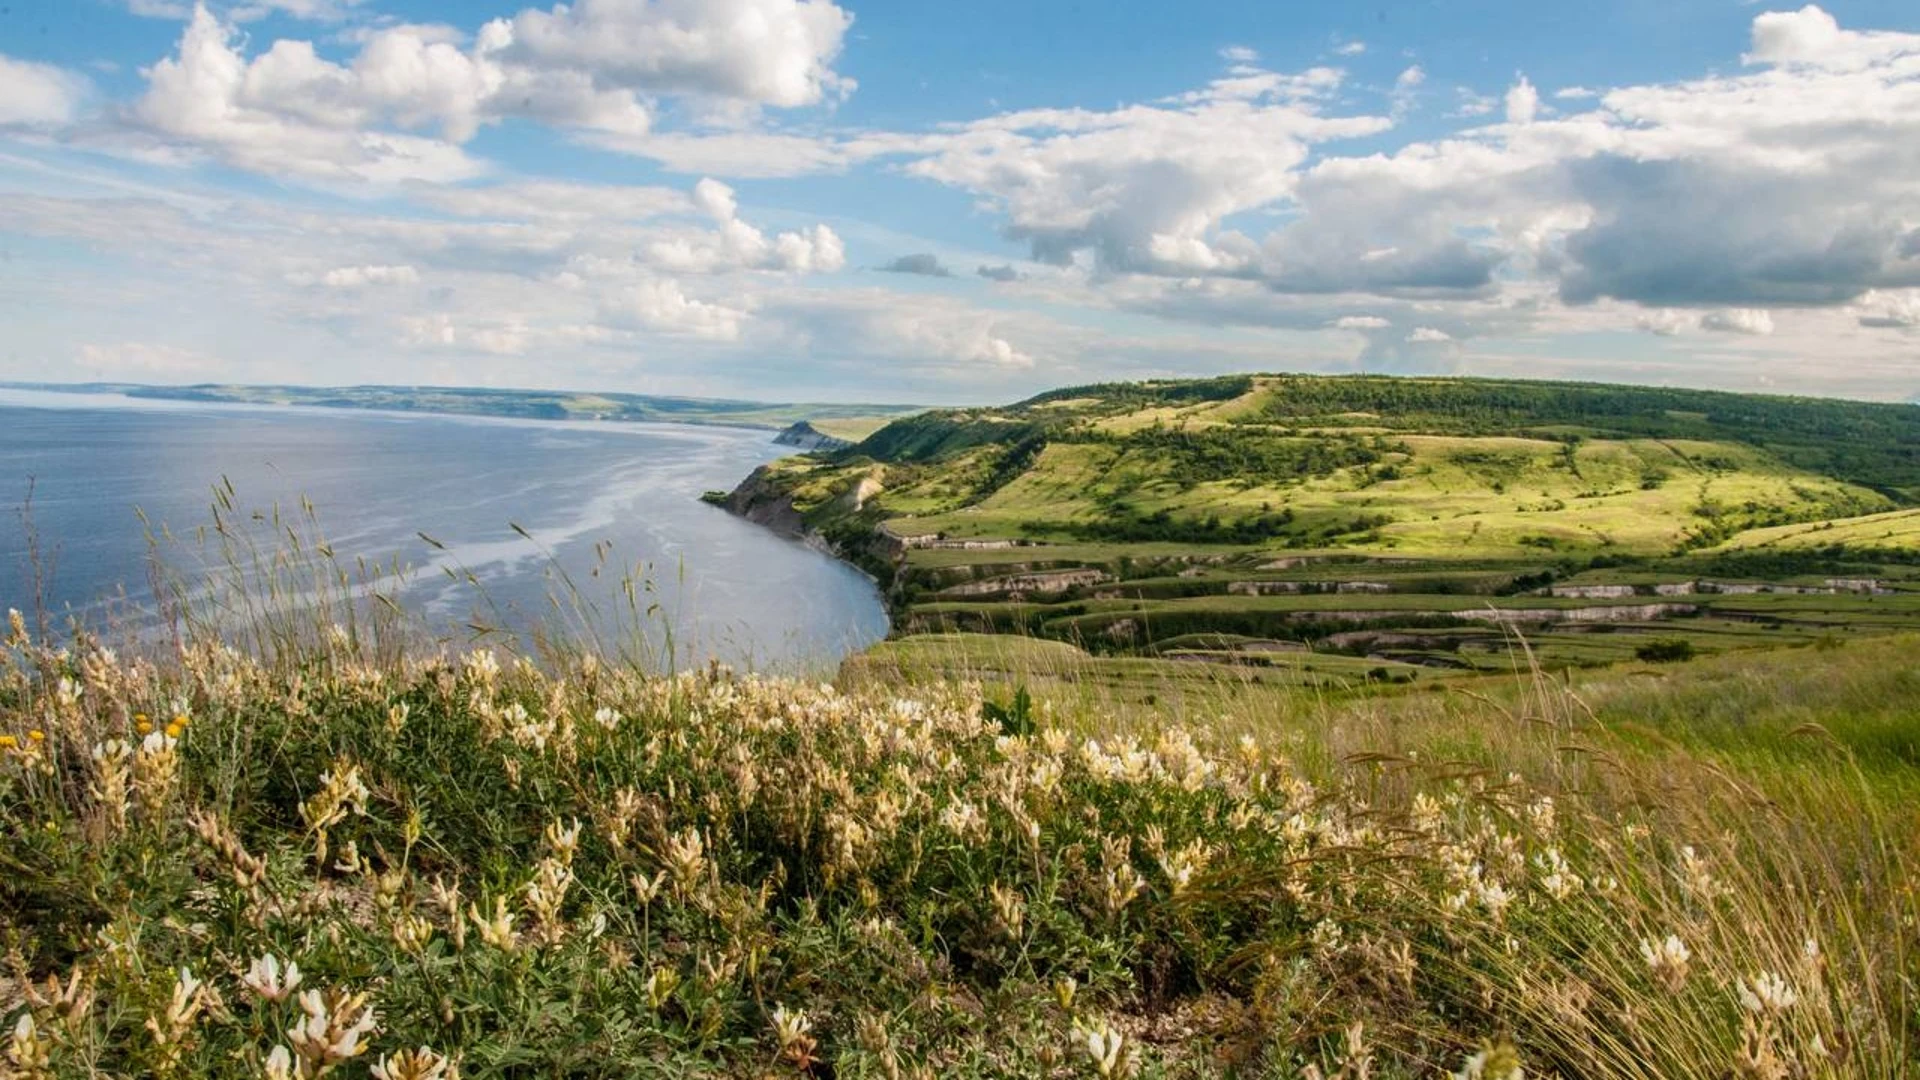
x: 620, y: 499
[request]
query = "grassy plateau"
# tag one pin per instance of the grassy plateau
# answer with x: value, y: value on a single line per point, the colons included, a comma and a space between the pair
x: 1292, y: 523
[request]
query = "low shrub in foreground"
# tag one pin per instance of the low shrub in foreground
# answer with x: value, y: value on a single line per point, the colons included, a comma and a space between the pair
x: 473, y: 866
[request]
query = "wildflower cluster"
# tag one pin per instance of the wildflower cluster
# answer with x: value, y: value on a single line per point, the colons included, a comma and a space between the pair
x: 478, y: 865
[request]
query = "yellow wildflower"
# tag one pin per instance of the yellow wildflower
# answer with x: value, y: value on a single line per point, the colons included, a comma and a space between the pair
x: 421, y: 1064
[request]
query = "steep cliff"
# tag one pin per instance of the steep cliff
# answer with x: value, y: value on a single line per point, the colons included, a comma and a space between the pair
x: 765, y: 502
x: 805, y: 436
x: 843, y: 525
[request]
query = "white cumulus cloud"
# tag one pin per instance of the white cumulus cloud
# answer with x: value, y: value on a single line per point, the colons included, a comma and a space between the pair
x: 1664, y: 323
x: 764, y: 52
x: 1738, y: 321
x: 732, y: 244
x: 1892, y: 310
x: 1523, y: 102
x: 1144, y: 185
x: 1812, y: 37
x: 290, y: 112
x: 1775, y: 201
x: 402, y: 107
x: 356, y: 277
x: 659, y: 305
x: 39, y: 95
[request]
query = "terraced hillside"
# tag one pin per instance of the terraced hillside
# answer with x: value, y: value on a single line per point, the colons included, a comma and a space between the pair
x: 1270, y: 520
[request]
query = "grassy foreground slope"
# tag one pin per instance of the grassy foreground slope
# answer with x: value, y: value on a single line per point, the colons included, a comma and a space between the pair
x: 339, y: 860
x: 1247, y: 518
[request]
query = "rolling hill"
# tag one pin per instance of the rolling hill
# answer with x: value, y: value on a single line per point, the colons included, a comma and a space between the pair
x: 1131, y: 517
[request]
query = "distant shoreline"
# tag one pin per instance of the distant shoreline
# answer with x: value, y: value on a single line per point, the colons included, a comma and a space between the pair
x: 112, y: 398
x: 513, y: 404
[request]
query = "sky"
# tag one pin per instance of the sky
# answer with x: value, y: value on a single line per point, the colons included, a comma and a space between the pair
x: 900, y: 201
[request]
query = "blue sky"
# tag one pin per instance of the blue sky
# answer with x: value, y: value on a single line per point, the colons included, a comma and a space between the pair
x: 831, y: 199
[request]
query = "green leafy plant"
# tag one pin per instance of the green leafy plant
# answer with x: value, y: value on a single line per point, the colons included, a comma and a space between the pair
x: 1015, y: 718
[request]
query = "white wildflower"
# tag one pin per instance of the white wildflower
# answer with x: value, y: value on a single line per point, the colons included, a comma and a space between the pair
x: 1667, y: 960
x: 1106, y: 1046
x: 270, y: 980
x: 1767, y: 993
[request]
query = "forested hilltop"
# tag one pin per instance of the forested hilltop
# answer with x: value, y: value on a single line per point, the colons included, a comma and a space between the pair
x: 1308, y: 510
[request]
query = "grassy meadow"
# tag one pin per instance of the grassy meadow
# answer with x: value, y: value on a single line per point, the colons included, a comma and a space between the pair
x: 1898, y: 530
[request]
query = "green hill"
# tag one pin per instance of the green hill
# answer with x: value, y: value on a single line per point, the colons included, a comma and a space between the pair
x: 1400, y: 462
x: 1120, y: 516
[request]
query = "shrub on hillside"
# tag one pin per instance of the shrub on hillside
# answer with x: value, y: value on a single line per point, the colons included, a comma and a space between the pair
x: 1665, y: 650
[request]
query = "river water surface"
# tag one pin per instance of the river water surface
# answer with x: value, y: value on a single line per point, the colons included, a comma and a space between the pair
x: 619, y: 497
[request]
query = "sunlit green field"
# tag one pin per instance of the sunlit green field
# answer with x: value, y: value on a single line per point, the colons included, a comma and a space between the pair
x: 1897, y: 530
x: 1480, y: 496
x: 1382, y: 524
x: 851, y: 428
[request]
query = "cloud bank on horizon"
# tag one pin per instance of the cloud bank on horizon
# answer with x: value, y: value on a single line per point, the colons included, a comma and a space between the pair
x: 802, y: 199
